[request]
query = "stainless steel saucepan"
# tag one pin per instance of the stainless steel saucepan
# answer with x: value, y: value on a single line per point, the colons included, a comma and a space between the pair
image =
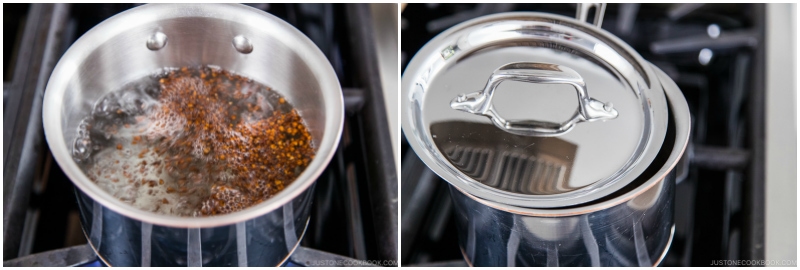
x: 143, y: 40
x: 558, y: 140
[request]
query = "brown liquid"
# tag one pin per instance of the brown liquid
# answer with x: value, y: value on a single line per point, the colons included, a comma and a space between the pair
x: 194, y: 141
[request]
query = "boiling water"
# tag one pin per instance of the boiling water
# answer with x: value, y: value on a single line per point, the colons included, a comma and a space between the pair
x: 195, y: 148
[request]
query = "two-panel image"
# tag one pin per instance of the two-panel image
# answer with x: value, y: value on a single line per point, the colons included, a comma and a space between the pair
x: 399, y: 135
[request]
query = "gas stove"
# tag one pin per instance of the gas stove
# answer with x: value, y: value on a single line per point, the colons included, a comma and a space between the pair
x: 354, y: 213
x: 716, y: 55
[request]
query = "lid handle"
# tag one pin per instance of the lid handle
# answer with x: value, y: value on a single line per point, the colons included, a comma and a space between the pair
x: 599, y: 12
x: 480, y: 103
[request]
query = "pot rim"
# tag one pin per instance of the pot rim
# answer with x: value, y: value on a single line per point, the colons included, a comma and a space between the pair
x: 68, y: 65
x: 679, y: 109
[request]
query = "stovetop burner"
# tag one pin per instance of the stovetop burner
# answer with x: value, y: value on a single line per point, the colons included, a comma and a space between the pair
x: 353, y: 216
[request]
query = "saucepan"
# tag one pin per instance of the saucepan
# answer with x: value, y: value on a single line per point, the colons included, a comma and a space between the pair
x: 558, y: 140
x: 237, y: 38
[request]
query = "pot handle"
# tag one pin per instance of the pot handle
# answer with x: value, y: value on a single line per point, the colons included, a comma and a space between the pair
x: 480, y: 103
x: 583, y: 12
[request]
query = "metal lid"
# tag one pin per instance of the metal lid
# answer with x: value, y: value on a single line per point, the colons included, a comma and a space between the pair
x: 533, y: 110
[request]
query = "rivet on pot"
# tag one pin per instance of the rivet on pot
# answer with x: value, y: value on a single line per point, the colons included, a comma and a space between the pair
x: 448, y: 52
x: 157, y: 41
x: 242, y: 44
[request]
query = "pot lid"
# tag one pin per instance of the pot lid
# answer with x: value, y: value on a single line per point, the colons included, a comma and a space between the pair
x: 533, y: 110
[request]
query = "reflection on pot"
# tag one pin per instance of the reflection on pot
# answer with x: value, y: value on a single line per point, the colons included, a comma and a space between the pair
x: 623, y: 235
x: 541, y: 168
x: 263, y: 241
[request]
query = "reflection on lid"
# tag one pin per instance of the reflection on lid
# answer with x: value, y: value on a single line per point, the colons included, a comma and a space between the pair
x: 535, y: 166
